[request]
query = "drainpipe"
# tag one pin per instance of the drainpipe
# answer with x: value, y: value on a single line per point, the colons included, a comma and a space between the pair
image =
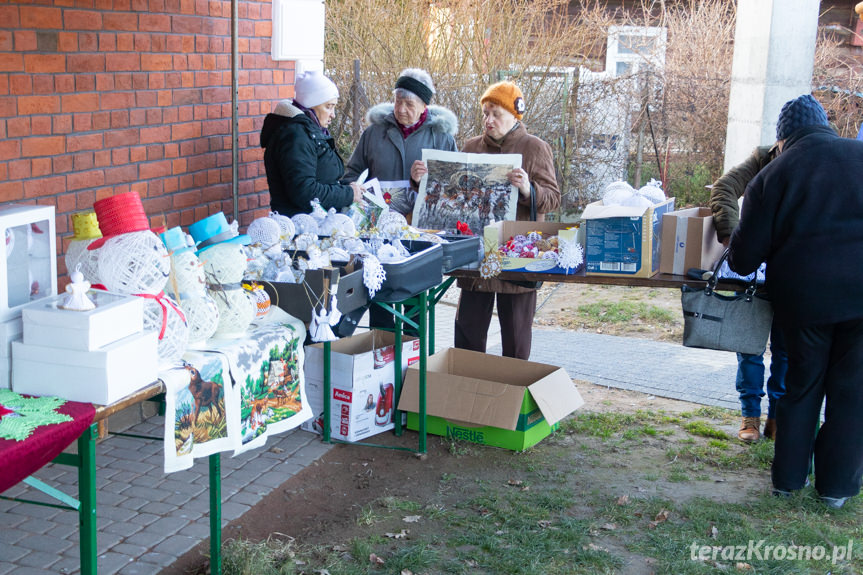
x: 235, y: 128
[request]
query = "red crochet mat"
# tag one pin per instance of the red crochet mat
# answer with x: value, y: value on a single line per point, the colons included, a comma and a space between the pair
x: 22, y: 458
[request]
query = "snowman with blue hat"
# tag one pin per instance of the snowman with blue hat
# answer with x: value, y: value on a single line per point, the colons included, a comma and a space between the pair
x: 221, y: 251
x: 186, y: 283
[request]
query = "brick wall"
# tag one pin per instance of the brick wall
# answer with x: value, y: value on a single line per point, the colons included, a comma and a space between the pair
x: 99, y: 97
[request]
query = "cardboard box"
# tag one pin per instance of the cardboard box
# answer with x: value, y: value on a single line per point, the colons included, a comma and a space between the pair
x: 115, y: 317
x: 622, y: 240
x: 488, y: 399
x: 362, y: 375
x: 688, y: 241
x: 102, y: 376
x: 498, y: 233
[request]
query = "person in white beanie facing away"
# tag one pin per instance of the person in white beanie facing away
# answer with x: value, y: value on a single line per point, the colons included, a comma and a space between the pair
x: 300, y: 155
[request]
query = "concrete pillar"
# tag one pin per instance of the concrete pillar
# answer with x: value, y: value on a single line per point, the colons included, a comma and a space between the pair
x: 774, y: 52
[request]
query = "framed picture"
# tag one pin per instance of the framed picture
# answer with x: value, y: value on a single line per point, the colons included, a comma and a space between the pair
x: 468, y: 188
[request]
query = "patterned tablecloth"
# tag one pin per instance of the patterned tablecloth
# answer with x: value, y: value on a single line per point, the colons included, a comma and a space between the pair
x: 21, y: 457
x: 233, y: 394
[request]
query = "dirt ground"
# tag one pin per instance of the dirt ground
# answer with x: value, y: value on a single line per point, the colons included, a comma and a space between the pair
x: 320, y: 505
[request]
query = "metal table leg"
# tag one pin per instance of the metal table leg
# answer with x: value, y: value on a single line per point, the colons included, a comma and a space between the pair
x: 86, y: 463
x: 215, y: 514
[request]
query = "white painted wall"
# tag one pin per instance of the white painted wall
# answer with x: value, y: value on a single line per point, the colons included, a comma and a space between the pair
x: 774, y: 53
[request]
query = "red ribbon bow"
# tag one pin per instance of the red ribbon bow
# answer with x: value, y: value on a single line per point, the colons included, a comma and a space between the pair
x: 463, y: 229
x: 164, y: 302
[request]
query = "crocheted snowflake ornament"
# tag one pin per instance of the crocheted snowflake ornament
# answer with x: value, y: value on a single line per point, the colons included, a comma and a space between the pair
x: 28, y: 413
x: 570, y: 255
x: 374, y: 274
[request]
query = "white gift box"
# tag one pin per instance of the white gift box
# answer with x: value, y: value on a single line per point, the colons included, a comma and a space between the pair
x: 28, y: 264
x: 115, y: 317
x: 101, y: 376
x: 10, y: 330
x: 5, y: 372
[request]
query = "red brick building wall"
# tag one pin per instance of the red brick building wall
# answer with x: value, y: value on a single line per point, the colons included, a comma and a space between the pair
x: 99, y: 97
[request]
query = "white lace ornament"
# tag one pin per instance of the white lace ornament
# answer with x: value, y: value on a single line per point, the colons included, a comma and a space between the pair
x: 318, y: 212
x: 134, y: 263
x: 265, y: 232
x: 338, y: 254
x: 391, y: 223
x: 389, y: 254
x: 286, y: 225
x: 305, y: 224
x: 77, y: 255
x: 305, y: 240
x: 570, y: 254
x: 374, y: 274
x: 652, y: 190
x: 337, y: 224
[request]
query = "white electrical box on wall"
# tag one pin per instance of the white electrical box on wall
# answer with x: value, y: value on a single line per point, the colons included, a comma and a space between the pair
x: 28, y: 264
x: 298, y: 30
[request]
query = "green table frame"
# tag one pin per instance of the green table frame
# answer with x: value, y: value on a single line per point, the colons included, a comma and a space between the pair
x: 85, y: 462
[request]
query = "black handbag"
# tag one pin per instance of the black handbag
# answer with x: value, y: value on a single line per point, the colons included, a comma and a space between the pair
x: 738, y: 323
x: 529, y: 284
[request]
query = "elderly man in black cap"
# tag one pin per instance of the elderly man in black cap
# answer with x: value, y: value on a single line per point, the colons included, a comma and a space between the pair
x: 803, y: 215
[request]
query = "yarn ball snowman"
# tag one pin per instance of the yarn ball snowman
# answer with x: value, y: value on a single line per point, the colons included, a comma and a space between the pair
x: 78, y: 257
x: 224, y: 266
x: 137, y: 263
x: 186, y: 283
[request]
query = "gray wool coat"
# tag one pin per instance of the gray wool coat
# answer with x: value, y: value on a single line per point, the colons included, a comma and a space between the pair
x: 387, y: 155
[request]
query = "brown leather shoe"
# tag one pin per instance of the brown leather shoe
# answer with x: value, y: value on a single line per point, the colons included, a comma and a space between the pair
x: 749, y: 429
x: 770, y: 429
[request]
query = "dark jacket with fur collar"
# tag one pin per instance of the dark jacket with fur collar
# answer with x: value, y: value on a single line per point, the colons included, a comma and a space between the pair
x: 803, y: 215
x: 388, y: 156
x: 302, y: 164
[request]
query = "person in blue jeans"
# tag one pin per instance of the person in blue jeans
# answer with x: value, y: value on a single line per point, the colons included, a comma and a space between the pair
x: 724, y: 196
x: 750, y: 386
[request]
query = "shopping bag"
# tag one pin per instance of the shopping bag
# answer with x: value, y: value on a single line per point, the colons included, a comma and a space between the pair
x: 739, y: 322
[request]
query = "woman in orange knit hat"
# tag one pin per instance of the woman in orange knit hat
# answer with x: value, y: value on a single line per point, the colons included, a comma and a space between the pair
x: 504, y: 133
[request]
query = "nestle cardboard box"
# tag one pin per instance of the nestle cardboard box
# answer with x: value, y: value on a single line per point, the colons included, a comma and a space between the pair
x: 362, y: 377
x: 489, y: 399
x: 498, y: 233
x: 688, y: 241
x: 623, y: 240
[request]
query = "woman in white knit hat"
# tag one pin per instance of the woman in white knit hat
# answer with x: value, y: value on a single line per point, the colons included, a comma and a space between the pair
x: 300, y: 154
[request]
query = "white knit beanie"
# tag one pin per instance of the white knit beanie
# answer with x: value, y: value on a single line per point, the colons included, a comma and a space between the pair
x: 313, y: 88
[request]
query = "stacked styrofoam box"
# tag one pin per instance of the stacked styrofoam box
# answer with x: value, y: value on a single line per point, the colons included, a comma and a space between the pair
x: 97, y: 356
x: 10, y: 330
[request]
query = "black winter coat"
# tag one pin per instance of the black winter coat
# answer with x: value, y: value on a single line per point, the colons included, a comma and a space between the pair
x: 803, y: 215
x: 302, y: 164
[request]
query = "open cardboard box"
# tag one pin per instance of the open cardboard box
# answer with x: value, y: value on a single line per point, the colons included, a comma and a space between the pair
x: 489, y: 399
x: 622, y: 240
x: 688, y: 241
x: 498, y: 233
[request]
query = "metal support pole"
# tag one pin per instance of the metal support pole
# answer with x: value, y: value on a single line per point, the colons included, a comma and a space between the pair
x: 215, y: 514
x: 87, y: 497
x: 423, y: 309
x: 397, y: 360
x: 328, y: 414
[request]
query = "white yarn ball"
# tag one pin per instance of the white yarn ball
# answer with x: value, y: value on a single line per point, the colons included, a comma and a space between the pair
x: 264, y: 231
x: 236, y: 312
x: 134, y: 263
x: 202, y: 315
x: 653, y: 191
x: 636, y: 202
x: 174, y: 341
x: 77, y: 254
x: 305, y: 224
x: 616, y: 193
x: 224, y: 263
